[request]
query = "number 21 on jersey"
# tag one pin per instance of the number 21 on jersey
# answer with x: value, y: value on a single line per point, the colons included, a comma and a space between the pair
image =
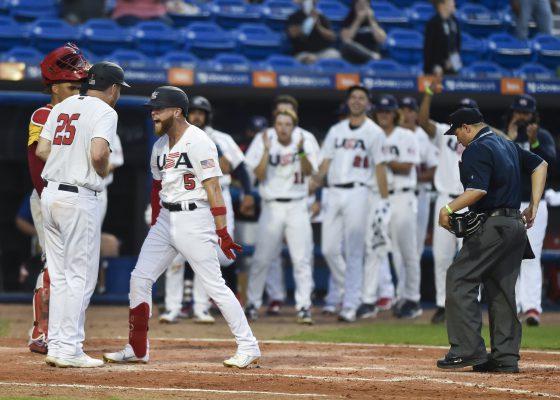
x: 65, y: 131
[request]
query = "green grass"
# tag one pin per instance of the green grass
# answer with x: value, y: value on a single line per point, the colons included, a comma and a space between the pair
x: 4, y: 324
x: 543, y: 337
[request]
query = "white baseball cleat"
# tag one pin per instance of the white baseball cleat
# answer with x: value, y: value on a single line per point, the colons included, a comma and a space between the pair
x: 84, y: 361
x: 169, y: 317
x: 241, y: 360
x: 203, y: 318
x: 126, y: 355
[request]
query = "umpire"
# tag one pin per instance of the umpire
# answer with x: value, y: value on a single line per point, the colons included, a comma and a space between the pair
x: 490, y: 170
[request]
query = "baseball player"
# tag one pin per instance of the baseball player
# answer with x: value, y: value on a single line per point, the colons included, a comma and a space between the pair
x: 351, y: 152
x: 76, y: 142
x: 523, y: 127
x: 402, y: 149
x: 61, y: 70
x: 191, y: 221
x: 283, y: 162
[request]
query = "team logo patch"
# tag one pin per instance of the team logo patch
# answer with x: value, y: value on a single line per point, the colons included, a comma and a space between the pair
x: 207, y: 164
x: 91, y: 79
x: 154, y: 95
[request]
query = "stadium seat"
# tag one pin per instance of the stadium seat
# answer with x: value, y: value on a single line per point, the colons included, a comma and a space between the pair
x: 276, y: 13
x: 177, y: 58
x: 389, y: 16
x: 154, y: 38
x: 484, y: 69
x: 402, y: 3
x: 228, y: 63
x: 280, y: 63
x: 27, y: 55
x: 11, y: 33
x: 334, y: 11
x: 129, y: 58
x: 419, y: 14
x: 384, y: 68
x: 229, y: 14
x: 509, y: 21
x: 333, y: 65
x: 257, y: 41
x: 206, y: 39
x: 29, y: 10
x: 103, y: 36
x: 472, y: 49
x: 547, y: 50
x: 508, y: 51
x: 405, y: 45
x: 4, y: 7
x: 533, y: 71
x: 201, y: 13
x: 47, y: 34
x: 478, y: 21
x: 492, y: 4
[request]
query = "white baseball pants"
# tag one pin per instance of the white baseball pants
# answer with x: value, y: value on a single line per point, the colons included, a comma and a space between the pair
x: 175, y: 285
x: 275, y: 286
x: 376, y: 242
x: 72, y: 243
x: 37, y: 215
x: 423, y: 217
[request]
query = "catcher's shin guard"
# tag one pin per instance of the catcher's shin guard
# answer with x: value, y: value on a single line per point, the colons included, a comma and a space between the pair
x: 138, y: 333
x: 41, y: 297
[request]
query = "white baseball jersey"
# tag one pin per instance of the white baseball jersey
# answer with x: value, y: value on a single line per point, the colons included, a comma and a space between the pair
x: 230, y: 150
x: 71, y: 126
x: 429, y: 155
x: 116, y: 158
x: 402, y: 146
x: 446, y: 178
x: 181, y: 170
x: 284, y: 178
x: 353, y: 152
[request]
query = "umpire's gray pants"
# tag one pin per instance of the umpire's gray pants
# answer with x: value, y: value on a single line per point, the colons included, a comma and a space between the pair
x: 492, y: 256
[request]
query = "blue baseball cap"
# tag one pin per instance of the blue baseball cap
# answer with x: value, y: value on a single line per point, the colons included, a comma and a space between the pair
x: 409, y: 102
x: 524, y: 103
x: 258, y: 123
x: 467, y: 102
x: 386, y: 102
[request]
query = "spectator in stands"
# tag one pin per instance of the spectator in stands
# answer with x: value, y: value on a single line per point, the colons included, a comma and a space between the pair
x: 539, y: 10
x: 79, y: 11
x: 311, y: 34
x: 442, y: 40
x: 361, y: 35
x: 129, y: 12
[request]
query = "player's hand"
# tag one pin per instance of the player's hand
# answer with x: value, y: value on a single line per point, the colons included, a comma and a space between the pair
x: 532, y: 132
x: 247, y: 206
x: 300, y: 145
x: 529, y: 215
x: 444, y: 218
x: 227, y: 244
x: 266, y: 141
x: 315, y: 209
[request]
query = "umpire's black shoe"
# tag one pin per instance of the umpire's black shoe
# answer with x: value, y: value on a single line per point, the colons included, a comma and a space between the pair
x: 494, y: 366
x: 451, y: 362
x: 439, y: 316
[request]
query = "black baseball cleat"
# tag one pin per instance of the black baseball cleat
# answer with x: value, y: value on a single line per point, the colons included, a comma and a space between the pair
x: 494, y: 366
x: 439, y: 316
x: 452, y: 362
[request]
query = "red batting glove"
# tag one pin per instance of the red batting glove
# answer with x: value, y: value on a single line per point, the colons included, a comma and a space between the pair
x: 227, y: 244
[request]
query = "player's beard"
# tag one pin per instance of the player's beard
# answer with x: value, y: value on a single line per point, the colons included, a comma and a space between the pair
x: 162, y: 126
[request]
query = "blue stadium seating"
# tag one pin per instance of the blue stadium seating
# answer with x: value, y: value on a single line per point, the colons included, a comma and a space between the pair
x: 330, y: 65
x: 484, y: 69
x: 389, y: 16
x: 11, y: 33
x: 228, y: 62
x: 419, y: 14
x: 508, y: 51
x: 206, y: 39
x: 402, y: 3
x: 178, y: 58
x: 547, y: 50
x: 478, y: 20
x: 472, y: 49
x: 533, y: 71
x: 405, y: 45
x: 47, y: 34
x: 257, y: 41
x: 29, y: 10
x: 334, y: 11
x: 103, y: 36
x: 154, y: 38
x: 229, y: 14
x: 129, y: 58
x: 492, y: 4
x: 280, y: 63
x: 204, y: 14
x: 27, y: 55
x: 276, y: 13
x: 384, y: 67
x: 4, y: 7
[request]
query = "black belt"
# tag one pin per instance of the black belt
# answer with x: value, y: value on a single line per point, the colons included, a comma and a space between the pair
x: 349, y: 185
x: 67, y: 188
x: 286, y: 200
x: 403, y: 190
x: 178, y: 206
x: 503, y: 212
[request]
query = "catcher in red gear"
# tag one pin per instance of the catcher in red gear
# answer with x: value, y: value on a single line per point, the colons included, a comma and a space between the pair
x: 62, y: 71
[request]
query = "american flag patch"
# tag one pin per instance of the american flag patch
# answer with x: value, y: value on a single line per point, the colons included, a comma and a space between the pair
x: 207, y: 163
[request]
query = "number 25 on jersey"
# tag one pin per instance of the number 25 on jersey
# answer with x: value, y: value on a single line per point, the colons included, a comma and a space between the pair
x: 65, y: 131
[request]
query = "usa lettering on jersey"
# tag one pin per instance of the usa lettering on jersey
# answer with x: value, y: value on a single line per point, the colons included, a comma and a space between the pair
x: 173, y: 160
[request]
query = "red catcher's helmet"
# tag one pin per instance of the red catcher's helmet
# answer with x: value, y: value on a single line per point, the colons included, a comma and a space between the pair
x: 66, y: 63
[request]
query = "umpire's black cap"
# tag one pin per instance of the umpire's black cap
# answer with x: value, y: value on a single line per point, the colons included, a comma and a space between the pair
x: 464, y: 116
x: 104, y: 74
x: 169, y: 96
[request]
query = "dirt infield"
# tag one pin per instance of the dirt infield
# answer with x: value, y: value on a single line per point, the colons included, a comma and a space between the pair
x: 185, y: 365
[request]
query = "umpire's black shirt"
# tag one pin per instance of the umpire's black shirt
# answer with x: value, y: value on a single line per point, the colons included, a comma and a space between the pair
x: 493, y: 165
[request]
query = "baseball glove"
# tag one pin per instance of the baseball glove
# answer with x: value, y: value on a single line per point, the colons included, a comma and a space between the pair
x: 465, y: 224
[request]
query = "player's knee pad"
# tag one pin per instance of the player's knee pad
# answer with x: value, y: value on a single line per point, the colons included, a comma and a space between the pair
x: 138, y: 329
x: 140, y: 291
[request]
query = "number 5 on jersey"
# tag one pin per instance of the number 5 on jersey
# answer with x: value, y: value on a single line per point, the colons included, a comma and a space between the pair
x: 65, y: 125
